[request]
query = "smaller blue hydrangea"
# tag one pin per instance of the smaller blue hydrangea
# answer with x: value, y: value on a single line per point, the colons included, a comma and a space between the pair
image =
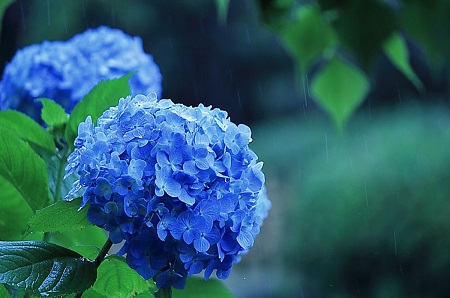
x: 179, y: 185
x: 67, y: 71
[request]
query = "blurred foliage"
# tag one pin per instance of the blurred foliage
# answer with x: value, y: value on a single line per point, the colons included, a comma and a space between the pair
x: 396, y: 49
x: 316, y: 32
x: 369, y: 211
x: 339, y: 80
x: 222, y: 10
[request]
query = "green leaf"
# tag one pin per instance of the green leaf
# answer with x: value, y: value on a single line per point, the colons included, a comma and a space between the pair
x: 427, y: 22
x: 222, y: 10
x: 275, y: 12
x: 87, y: 251
x: 27, y: 129
x: 363, y: 26
x: 4, y: 292
x: 117, y: 280
x: 14, y: 212
x: 397, y: 51
x: 308, y: 37
x: 103, y: 96
x: 44, y: 268
x: 90, y: 293
x: 331, y: 4
x: 3, y: 6
x: 52, y: 113
x: 59, y: 217
x: 339, y: 89
x: 24, y: 170
x: 146, y: 294
x: 85, y: 241
x: 199, y: 288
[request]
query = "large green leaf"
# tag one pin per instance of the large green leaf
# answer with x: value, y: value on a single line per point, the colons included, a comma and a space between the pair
x: 24, y: 170
x: 117, y: 280
x: 52, y: 113
x: 27, y: 129
x: 339, y: 89
x: 14, y: 212
x: 44, y: 268
x: 86, y: 241
x: 199, y: 288
x: 428, y: 23
x: 308, y: 37
x: 103, y: 96
x: 59, y: 217
x: 397, y: 51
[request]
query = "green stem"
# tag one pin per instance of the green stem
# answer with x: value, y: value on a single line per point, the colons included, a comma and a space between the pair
x: 164, y: 293
x: 61, y: 170
x: 47, y: 236
x: 99, y: 259
x: 101, y: 256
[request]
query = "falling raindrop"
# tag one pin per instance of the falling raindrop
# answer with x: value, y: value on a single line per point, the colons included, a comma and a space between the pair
x: 365, y: 191
x: 326, y: 145
x: 48, y: 12
x: 249, y: 37
x: 305, y: 90
x: 113, y: 15
x: 239, y: 100
x: 307, y: 84
x: 65, y: 18
x: 22, y: 13
x: 270, y: 287
x: 260, y: 252
x: 84, y: 8
x: 395, y: 242
x: 365, y: 143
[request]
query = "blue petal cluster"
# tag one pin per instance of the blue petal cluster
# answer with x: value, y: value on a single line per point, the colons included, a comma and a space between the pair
x: 179, y: 184
x: 67, y: 71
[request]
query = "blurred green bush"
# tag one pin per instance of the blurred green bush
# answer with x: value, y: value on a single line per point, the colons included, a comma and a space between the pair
x: 365, y: 214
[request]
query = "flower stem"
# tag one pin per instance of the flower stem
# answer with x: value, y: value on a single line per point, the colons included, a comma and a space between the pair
x: 101, y: 256
x: 164, y: 293
x: 99, y: 259
x: 62, y: 164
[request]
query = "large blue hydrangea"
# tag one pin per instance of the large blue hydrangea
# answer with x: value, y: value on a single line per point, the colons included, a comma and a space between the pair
x: 67, y: 71
x: 179, y: 184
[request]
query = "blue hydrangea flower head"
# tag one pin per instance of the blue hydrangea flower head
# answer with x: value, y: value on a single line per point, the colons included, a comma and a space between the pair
x: 67, y: 71
x: 179, y: 185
